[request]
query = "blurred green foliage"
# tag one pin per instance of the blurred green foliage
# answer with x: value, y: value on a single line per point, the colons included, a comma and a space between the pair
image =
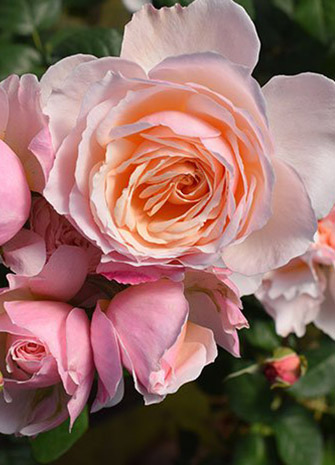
x: 240, y: 421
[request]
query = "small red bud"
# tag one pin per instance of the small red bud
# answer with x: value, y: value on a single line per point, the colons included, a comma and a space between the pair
x: 285, y: 368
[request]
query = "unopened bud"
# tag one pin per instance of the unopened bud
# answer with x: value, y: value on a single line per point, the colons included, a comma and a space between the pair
x: 285, y: 368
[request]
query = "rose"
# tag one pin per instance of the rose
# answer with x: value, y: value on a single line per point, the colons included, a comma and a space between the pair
x: 45, y: 377
x: 29, y: 251
x: 170, y: 161
x: 303, y: 291
x: 145, y: 328
x: 285, y: 368
x: 56, y: 231
x: 23, y: 129
x: 163, y: 333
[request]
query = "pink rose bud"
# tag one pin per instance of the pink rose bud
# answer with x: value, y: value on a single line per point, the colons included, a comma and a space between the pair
x: 285, y: 368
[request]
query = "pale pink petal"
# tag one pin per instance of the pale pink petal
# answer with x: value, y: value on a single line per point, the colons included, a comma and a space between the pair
x: 25, y: 120
x: 292, y: 316
x: 25, y: 254
x: 246, y: 284
x: 41, y: 147
x: 287, y: 234
x: 63, y: 275
x: 325, y: 319
x: 14, y: 194
x: 107, y: 360
x: 56, y: 74
x: 212, y: 71
x: 301, y: 116
x: 64, y: 104
x: 206, y: 25
x: 80, y: 366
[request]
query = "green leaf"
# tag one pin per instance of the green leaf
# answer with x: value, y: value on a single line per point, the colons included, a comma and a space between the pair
x: 286, y: 5
x: 100, y: 42
x: 319, y: 379
x: 298, y: 438
x: 329, y: 454
x: 317, y: 17
x: 51, y: 445
x: 24, y: 16
x: 262, y: 335
x: 251, y: 450
x: 18, y: 59
x: 250, y: 397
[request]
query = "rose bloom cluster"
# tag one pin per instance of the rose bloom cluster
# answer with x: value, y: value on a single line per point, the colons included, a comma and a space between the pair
x: 141, y: 196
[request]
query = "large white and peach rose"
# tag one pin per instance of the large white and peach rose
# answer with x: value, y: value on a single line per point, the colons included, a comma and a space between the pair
x: 175, y: 157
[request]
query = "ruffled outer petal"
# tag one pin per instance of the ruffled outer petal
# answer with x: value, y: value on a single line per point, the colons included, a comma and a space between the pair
x: 287, y: 234
x: 65, y: 101
x: 301, y: 115
x: 222, y: 26
x: 14, y: 194
x: 292, y: 316
x: 55, y: 75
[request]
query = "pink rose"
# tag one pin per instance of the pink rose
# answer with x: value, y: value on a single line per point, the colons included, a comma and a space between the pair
x: 145, y: 328
x: 303, y: 291
x: 285, y: 368
x: 174, y: 155
x: 28, y: 252
x: 47, y: 364
x: 25, y: 151
x: 56, y: 231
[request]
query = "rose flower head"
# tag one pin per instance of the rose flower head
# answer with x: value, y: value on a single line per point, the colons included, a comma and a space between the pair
x: 176, y: 157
